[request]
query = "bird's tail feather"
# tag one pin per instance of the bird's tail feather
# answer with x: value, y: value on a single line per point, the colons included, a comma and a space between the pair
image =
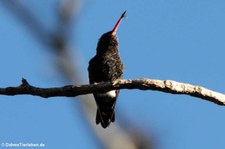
x: 105, y: 117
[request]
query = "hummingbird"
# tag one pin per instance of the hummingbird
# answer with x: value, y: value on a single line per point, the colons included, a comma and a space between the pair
x: 106, y: 65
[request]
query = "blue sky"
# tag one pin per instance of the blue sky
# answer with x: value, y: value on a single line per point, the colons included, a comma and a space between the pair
x: 181, y: 40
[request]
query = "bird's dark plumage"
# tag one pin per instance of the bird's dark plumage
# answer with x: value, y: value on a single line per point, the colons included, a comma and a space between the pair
x: 106, y: 65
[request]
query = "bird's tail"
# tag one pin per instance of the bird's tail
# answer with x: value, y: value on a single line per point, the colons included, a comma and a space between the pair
x: 105, y: 116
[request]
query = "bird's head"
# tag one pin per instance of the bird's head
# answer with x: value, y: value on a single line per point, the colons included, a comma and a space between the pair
x: 110, y: 39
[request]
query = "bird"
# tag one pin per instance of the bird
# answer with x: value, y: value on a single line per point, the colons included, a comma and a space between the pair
x: 106, y: 65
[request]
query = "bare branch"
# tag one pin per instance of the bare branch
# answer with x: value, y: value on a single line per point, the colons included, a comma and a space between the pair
x: 167, y: 86
x: 26, y: 16
x: 56, y: 40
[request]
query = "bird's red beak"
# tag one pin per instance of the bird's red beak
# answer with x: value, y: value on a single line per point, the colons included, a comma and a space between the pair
x: 118, y: 23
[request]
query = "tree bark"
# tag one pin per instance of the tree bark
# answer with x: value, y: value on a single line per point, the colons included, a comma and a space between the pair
x: 167, y: 86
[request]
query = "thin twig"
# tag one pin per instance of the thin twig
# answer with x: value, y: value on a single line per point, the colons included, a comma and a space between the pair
x: 167, y: 86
